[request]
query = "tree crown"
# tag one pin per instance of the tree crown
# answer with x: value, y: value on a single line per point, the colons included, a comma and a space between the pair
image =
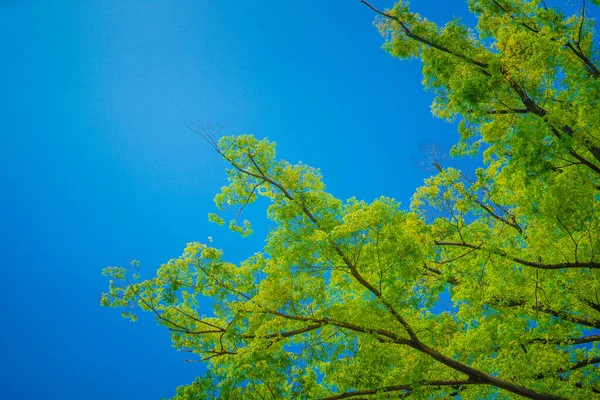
x: 339, y: 304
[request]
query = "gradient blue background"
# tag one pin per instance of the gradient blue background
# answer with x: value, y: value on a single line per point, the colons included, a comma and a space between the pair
x: 98, y: 167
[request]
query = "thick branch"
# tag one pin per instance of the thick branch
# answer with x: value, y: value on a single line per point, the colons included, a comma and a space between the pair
x: 590, y: 303
x: 428, y: 42
x: 287, y: 334
x: 501, y: 253
x: 573, y: 367
x: 482, y: 376
x: 385, y: 335
x: 473, y: 373
x: 536, y: 109
x: 395, y: 388
x: 555, y: 313
x: 567, y: 341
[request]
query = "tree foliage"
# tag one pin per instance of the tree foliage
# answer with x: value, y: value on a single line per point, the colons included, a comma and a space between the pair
x: 338, y: 304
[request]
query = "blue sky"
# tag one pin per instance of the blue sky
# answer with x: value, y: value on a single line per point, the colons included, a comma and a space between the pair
x: 98, y: 167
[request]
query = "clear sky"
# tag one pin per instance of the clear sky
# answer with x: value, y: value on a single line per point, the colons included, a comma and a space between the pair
x: 98, y: 167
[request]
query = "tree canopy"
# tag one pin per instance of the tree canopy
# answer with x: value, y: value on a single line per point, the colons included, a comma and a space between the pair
x: 339, y: 302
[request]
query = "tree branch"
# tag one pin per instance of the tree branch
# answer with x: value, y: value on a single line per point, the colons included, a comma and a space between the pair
x: 395, y: 388
x: 286, y: 334
x: 501, y: 253
x: 573, y: 367
x: 550, y: 311
x: 427, y: 42
x: 386, y: 336
x: 353, y: 269
x: 567, y: 341
x: 576, y: 50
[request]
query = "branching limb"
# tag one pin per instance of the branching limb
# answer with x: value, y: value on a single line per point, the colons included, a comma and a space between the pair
x: 407, y: 387
x: 428, y: 42
x: 590, y: 323
x: 575, y: 366
x: 501, y: 253
x: 388, y: 336
x: 567, y: 341
x: 287, y: 334
x: 575, y: 49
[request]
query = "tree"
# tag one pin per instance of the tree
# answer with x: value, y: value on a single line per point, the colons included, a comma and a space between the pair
x: 337, y: 305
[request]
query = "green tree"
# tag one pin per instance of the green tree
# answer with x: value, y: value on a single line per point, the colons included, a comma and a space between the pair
x: 337, y: 305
